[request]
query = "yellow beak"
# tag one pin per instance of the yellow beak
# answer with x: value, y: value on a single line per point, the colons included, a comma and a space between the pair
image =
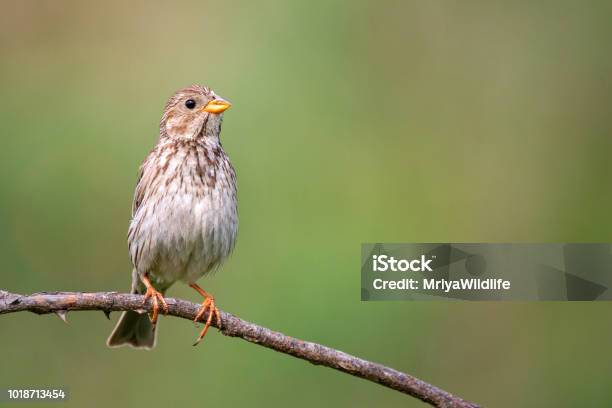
x: 217, y: 106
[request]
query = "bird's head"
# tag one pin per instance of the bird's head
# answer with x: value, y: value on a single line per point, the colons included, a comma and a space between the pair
x: 193, y: 112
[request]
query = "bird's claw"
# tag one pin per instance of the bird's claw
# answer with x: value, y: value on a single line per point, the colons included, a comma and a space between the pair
x: 207, y: 305
x: 157, y: 298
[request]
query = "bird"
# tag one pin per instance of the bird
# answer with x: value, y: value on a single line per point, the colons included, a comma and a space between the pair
x: 184, y: 213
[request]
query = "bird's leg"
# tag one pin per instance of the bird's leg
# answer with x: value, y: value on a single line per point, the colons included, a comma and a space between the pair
x: 207, y: 304
x: 156, y: 295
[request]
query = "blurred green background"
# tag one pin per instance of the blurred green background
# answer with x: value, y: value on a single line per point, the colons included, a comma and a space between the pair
x: 353, y: 121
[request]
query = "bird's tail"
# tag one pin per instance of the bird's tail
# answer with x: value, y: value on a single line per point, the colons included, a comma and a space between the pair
x: 133, y: 329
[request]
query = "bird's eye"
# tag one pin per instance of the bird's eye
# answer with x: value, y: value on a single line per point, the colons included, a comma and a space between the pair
x: 190, y: 103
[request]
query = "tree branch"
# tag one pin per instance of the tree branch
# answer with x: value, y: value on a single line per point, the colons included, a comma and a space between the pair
x: 62, y: 302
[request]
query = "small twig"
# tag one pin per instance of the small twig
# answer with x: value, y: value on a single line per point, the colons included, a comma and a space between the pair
x: 62, y: 302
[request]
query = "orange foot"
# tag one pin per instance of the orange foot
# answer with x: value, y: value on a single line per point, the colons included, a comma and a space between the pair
x: 155, y: 295
x: 207, y: 305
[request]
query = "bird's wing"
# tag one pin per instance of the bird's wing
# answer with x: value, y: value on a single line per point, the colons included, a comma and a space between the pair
x: 139, y: 193
x: 143, y: 181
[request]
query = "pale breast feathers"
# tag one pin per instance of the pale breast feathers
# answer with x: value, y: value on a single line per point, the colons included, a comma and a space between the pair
x: 184, y: 211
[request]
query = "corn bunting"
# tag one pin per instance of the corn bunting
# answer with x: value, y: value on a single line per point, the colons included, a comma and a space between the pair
x: 184, y: 215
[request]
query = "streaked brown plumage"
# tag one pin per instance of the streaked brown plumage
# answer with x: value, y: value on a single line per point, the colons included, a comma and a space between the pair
x: 184, y: 215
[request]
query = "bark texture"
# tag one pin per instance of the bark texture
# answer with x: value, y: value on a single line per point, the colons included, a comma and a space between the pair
x: 62, y: 302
